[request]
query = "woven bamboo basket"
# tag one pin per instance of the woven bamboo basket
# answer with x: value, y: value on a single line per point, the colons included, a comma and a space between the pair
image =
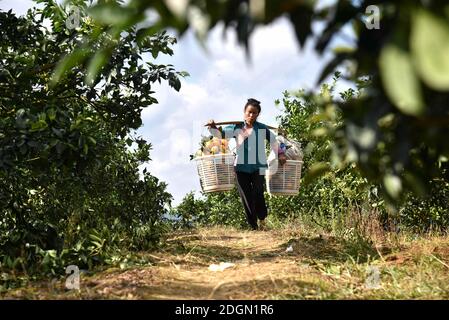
x: 285, y: 181
x: 216, y: 172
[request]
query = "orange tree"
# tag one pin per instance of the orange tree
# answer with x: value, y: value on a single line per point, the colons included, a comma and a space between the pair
x: 68, y: 179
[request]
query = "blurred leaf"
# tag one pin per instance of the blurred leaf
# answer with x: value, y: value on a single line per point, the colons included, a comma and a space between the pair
x: 184, y: 74
x: 144, y: 33
x: 400, y: 81
x: 364, y: 136
x: 393, y: 185
x: 96, y: 63
x: 67, y: 63
x: 301, y: 18
x: 344, y: 12
x: 316, y: 171
x: 430, y: 48
x: 200, y: 23
x: 415, y: 184
x: 333, y: 64
x: 111, y: 13
x: 320, y: 132
x: 51, y: 114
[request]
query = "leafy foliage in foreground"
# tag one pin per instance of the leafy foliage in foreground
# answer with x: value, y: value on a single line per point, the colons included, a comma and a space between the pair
x: 70, y: 187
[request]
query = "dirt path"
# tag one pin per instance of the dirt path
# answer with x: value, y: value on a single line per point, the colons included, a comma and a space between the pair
x: 261, y: 269
x: 316, y: 267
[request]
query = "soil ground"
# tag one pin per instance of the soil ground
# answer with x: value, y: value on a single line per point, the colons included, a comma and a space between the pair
x: 274, y: 264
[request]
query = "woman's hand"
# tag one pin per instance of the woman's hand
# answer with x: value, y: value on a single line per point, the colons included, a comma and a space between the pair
x: 282, y: 158
x: 211, y: 124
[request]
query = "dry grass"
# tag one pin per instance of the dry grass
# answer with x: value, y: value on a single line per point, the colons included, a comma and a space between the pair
x: 321, y: 266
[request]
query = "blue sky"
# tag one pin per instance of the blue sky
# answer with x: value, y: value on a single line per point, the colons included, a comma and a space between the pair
x: 220, y: 82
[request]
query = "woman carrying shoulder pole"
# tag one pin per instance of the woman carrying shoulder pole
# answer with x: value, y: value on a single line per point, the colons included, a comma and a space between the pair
x: 250, y: 164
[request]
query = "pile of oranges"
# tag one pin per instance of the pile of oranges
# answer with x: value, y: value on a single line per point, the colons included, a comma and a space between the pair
x: 211, y: 146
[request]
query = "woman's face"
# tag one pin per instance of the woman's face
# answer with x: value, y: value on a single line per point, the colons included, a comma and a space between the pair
x: 251, y: 113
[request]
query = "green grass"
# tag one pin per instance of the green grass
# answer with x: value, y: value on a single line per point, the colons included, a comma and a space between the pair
x: 323, y: 265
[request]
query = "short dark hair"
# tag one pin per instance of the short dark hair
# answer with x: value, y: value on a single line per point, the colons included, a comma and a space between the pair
x: 253, y: 102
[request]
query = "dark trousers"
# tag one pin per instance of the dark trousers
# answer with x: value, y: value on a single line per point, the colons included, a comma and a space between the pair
x: 251, y: 187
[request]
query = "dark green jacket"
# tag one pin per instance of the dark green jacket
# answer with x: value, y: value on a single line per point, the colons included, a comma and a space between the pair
x: 251, y: 155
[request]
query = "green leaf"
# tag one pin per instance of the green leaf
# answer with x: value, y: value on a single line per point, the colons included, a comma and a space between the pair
x: 39, y: 125
x: 51, y: 113
x: 400, y: 81
x: 393, y: 185
x: 53, y: 142
x: 415, y: 183
x: 301, y: 19
x: 320, y: 132
x: 155, y: 51
x: 184, y: 74
x: 365, y: 137
x: 96, y: 63
x: 430, y: 48
x: 343, y: 49
x: 145, y: 33
x: 92, y: 140
x: 316, y: 171
x: 67, y: 63
x: 175, y: 83
x: 110, y: 13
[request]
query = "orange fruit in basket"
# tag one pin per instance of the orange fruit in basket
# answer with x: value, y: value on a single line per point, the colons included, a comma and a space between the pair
x: 224, y: 143
x: 214, y: 150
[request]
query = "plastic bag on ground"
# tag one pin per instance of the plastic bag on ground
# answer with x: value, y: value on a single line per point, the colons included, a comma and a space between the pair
x: 220, y: 267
